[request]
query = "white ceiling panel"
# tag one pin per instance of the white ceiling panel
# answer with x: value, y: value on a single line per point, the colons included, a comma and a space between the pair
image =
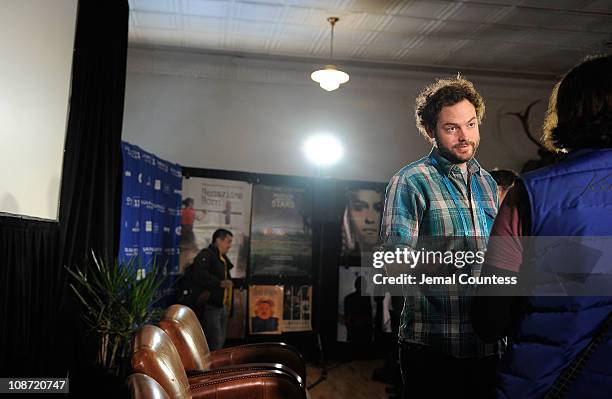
x: 427, y: 9
x: 473, y: 13
x: 207, y: 8
x: 323, y: 4
x: 304, y: 16
x: 155, y: 20
x: 203, y: 24
x: 371, y: 22
x: 407, y: 25
x: 257, y: 29
x: 452, y: 29
x: 167, y: 6
x: 301, y: 32
x: 258, y: 12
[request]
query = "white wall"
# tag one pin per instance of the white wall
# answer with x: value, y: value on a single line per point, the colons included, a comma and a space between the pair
x: 37, y: 40
x: 223, y: 112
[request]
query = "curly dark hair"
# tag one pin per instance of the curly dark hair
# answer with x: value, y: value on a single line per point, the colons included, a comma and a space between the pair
x: 580, y: 107
x: 443, y: 93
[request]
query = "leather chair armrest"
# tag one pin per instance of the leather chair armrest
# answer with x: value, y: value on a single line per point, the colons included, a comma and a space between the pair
x: 264, y: 352
x: 226, y: 371
x: 271, y: 384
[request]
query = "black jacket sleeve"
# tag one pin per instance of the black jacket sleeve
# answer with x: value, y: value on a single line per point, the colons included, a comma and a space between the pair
x: 201, y: 275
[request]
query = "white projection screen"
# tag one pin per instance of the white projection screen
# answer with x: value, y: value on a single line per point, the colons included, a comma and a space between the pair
x: 36, y: 46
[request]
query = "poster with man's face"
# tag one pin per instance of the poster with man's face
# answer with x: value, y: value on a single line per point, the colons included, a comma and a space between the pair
x: 361, y: 220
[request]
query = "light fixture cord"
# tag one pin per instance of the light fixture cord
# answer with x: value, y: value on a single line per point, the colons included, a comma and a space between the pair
x: 332, y: 21
x: 331, y: 45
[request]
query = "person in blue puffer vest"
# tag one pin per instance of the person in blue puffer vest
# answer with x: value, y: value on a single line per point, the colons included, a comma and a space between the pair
x: 563, y: 298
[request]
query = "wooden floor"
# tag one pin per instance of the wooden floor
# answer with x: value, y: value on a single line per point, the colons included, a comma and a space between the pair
x: 351, y: 380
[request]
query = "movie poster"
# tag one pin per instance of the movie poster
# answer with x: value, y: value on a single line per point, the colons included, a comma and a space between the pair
x: 361, y: 220
x: 236, y: 323
x: 265, y: 309
x: 355, y: 289
x: 210, y: 204
x: 297, y: 308
x: 281, y: 231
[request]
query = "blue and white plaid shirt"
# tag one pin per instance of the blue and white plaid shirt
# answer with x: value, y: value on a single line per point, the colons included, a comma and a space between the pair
x: 419, y: 206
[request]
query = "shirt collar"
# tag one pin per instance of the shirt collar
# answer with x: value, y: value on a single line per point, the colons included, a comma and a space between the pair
x: 446, y: 167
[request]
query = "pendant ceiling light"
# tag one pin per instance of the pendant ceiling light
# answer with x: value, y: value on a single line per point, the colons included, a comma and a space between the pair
x: 330, y: 78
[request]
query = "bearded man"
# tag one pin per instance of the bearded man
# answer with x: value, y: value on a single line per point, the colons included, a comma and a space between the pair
x: 447, y: 200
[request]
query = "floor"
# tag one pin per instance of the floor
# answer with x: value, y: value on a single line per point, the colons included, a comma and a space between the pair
x: 347, y: 380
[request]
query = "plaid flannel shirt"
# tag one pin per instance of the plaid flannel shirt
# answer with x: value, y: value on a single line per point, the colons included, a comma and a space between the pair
x: 418, y: 205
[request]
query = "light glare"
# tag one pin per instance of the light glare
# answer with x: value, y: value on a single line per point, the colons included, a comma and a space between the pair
x: 323, y: 150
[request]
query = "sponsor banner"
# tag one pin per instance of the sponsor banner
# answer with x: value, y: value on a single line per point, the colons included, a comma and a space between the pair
x: 150, y: 209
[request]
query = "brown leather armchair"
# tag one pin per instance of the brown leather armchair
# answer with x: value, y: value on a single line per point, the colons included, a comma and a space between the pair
x: 155, y: 355
x: 184, y: 329
x: 144, y: 387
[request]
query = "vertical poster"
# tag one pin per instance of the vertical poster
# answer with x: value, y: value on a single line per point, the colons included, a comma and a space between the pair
x: 297, y: 308
x: 237, y: 318
x: 355, y: 304
x: 281, y: 232
x: 265, y: 309
x: 210, y: 204
x: 361, y: 220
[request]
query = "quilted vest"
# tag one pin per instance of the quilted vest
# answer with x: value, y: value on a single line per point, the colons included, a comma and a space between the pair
x: 572, y: 198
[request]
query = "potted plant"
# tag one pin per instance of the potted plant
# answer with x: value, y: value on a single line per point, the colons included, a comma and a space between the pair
x: 118, y: 299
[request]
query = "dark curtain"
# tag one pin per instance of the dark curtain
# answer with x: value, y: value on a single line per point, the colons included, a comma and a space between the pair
x: 31, y: 287
x: 40, y: 330
x: 91, y: 182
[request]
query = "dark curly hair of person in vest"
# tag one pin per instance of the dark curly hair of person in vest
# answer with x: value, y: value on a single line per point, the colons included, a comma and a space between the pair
x: 444, y: 93
x: 580, y: 107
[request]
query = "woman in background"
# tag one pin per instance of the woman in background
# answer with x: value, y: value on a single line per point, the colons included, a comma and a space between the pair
x: 187, y: 244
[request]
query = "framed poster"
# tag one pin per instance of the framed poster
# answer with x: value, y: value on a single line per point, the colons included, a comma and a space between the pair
x: 361, y: 220
x: 297, y: 308
x: 281, y: 231
x: 210, y: 204
x: 265, y: 309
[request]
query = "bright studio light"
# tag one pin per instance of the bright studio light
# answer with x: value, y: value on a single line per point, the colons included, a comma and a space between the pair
x: 323, y: 150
